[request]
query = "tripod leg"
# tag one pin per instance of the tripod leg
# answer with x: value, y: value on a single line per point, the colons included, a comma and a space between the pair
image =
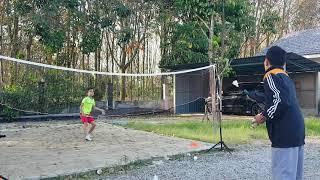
x: 205, y: 113
x: 226, y: 147
x: 213, y: 146
x: 209, y: 112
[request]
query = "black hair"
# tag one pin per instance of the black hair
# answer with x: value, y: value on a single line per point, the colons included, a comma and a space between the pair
x: 90, y: 88
x: 276, y: 56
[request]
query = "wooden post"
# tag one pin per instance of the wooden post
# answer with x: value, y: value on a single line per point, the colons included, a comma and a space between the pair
x: 174, y: 94
x: 219, y: 101
x: 1, y: 73
x: 165, y: 93
x: 41, y: 98
x: 110, y: 95
x: 213, y: 92
x: 317, y: 92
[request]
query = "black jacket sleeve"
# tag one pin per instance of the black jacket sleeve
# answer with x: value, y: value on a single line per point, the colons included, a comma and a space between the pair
x: 257, y: 96
x: 274, y: 97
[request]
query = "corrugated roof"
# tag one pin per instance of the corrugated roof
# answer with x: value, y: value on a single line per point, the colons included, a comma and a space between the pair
x: 254, y: 65
x: 305, y: 42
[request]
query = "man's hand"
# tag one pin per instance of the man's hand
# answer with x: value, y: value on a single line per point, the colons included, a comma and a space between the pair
x: 260, y: 119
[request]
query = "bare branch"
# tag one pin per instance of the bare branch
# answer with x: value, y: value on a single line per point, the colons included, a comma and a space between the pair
x: 112, y: 51
x: 135, y: 52
x: 203, y: 21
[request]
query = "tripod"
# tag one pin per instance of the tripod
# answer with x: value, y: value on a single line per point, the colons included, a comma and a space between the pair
x: 222, y: 144
x: 217, y: 96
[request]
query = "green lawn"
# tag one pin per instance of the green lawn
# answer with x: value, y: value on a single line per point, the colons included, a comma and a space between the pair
x: 234, y: 131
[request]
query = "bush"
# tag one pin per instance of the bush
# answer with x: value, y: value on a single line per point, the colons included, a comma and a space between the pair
x: 54, y: 93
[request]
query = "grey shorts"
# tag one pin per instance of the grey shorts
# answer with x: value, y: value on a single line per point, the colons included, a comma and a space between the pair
x: 287, y: 163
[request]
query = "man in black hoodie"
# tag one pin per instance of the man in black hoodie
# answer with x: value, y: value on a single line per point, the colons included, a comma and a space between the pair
x: 283, y: 117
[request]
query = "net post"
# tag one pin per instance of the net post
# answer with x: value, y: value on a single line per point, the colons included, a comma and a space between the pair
x: 213, y: 92
x: 1, y: 73
x: 41, y: 98
x: 109, y: 90
x: 174, y: 94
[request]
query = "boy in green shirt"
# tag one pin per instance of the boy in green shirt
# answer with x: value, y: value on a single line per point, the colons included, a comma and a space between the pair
x: 86, y: 108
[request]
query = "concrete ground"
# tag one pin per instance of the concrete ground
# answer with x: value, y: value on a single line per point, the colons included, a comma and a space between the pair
x: 48, y: 149
x: 247, y: 162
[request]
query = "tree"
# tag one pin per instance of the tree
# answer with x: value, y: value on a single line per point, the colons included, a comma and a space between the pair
x: 208, y: 31
x: 218, y: 27
x: 307, y: 15
x: 127, y: 30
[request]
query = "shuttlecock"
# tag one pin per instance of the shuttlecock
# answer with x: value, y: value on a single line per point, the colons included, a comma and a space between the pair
x: 99, y: 171
x: 195, y: 158
x: 155, y: 177
x: 235, y: 83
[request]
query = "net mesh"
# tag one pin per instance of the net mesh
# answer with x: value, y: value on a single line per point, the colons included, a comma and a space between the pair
x: 35, y: 89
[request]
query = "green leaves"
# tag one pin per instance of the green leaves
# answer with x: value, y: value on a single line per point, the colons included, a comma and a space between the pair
x: 57, y: 92
x: 122, y: 10
x: 90, y: 40
x: 71, y: 4
x: 189, y: 45
x: 269, y: 22
x: 53, y: 40
x: 190, y: 9
x: 189, y: 38
x: 106, y: 22
x: 125, y: 35
x: 23, y: 7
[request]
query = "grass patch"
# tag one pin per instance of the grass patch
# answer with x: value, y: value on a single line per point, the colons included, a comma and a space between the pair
x: 313, y: 126
x: 234, y: 131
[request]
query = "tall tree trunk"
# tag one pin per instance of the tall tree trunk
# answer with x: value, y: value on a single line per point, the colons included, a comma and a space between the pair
x: 68, y: 55
x: 283, y: 21
x: 123, y: 85
x: 1, y: 49
x: 131, y: 83
x: 245, y: 51
x: 88, y: 61
x: 96, y: 60
x: 83, y: 63
x: 252, y: 46
x: 212, y: 58
x: 268, y: 39
x: 123, y: 68
x: 99, y: 59
x: 14, y: 40
x: 74, y: 49
x: 256, y: 27
x: 14, y: 44
x: 143, y: 67
x: 107, y: 59
x: 29, y: 44
x: 223, y: 31
x: 147, y: 85
x: 210, y: 45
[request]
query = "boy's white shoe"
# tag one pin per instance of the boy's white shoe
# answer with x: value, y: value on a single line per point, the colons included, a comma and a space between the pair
x: 88, y: 138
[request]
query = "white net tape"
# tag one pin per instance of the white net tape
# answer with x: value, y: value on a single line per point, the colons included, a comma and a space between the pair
x: 99, y: 72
